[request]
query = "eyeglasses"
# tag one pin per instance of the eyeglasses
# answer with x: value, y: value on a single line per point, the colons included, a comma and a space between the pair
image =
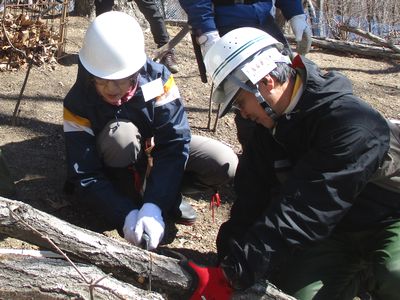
x: 131, y: 80
x: 237, y: 105
x: 238, y: 102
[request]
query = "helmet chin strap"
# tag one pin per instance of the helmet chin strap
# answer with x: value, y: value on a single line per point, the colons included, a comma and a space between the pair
x: 256, y: 91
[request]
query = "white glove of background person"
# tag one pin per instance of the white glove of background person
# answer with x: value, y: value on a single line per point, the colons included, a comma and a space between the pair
x: 206, y: 40
x: 302, y: 33
x: 149, y: 220
x: 129, y: 226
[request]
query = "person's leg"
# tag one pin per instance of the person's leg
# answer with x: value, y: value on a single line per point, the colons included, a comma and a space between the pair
x: 157, y: 25
x: 345, y: 265
x: 159, y: 31
x: 210, y: 165
x: 385, y: 274
x: 103, y: 6
x: 119, y: 146
x: 330, y: 270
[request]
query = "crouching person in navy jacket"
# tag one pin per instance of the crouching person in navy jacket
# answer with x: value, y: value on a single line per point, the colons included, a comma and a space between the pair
x: 129, y: 147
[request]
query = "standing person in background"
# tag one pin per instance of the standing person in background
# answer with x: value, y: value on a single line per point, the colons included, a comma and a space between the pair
x: 318, y: 185
x: 129, y: 149
x: 157, y: 26
x: 211, y: 19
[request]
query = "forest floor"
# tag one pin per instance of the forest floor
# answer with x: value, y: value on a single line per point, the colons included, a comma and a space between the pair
x: 34, y: 147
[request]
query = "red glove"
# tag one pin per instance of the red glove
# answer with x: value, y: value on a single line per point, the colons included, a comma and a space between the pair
x: 211, y: 283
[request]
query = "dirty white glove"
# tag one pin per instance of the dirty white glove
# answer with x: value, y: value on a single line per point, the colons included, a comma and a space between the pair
x: 129, y: 225
x: 302, y: 33
x: 149, y: 220
x: 206, y: 40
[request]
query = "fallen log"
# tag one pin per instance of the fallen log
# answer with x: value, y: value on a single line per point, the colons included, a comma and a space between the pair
x: 28, y: 277
x: 125, y: 262
x: 353, y: 48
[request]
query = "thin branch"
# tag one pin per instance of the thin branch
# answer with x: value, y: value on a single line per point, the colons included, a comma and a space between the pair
x: 18, y: 218
x: 92, y: 283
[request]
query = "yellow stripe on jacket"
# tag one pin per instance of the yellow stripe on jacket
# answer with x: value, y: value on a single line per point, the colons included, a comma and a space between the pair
x: 73, y: 123
x: 171, y: 92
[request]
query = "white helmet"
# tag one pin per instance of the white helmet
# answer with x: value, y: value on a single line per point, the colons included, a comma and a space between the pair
x: 113, y: 47
x: 242, y: 54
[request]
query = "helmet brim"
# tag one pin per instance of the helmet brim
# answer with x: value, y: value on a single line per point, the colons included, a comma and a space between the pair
x: 130, y: 67
x: 224, y: 98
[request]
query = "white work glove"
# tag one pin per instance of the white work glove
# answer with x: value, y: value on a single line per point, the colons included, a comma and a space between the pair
x: 129, y: 225
x: 206, y: 40
x: 149, y: 220
x: 302, y: 33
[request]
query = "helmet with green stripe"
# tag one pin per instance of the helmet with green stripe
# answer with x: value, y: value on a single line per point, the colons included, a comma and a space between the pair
x: 242, y: 55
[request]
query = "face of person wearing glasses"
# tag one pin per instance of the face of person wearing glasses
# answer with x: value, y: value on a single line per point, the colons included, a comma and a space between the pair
x: 250, y: 109
x: 113, y: 90
x: 277, y: 95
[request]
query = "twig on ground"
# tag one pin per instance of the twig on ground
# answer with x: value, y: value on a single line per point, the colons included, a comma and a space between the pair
x: 92, y: 283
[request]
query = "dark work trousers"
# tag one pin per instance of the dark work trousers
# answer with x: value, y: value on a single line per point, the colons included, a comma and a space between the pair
x: 346, y: 264
x: 103, y: 6
x: 150, y: 11
x: 246, y: 127
x: 157, y: 25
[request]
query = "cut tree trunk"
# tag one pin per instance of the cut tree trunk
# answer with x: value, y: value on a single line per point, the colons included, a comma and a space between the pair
x: 27, y: 277
x: 126, y: 262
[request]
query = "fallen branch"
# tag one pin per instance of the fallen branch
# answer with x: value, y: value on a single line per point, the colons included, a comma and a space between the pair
x: 368, y: 35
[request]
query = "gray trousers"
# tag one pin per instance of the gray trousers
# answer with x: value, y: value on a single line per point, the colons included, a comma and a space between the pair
x: 210, y: 163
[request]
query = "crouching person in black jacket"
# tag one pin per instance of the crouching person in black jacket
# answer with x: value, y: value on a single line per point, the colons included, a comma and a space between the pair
x: 318, y: 187
x: 127, y: 137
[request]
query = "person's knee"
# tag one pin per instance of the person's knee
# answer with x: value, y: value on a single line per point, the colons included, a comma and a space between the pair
x: 223, y: 163
x: 119, y: 143
x: 219, y: 161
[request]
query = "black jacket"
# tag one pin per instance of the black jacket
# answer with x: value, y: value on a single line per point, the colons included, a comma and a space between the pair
x: 328, y: 149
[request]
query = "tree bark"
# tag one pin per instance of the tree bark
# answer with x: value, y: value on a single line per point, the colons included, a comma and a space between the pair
x: 126, y: 262
x: 27, y: 277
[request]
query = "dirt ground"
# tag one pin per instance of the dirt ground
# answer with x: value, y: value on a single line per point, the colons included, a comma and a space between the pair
x: 34, y: 148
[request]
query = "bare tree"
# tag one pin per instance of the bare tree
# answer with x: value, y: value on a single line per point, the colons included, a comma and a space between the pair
x: 377, y: 17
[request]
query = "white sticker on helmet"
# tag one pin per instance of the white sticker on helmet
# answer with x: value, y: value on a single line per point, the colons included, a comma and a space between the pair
x: 260, y: 66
